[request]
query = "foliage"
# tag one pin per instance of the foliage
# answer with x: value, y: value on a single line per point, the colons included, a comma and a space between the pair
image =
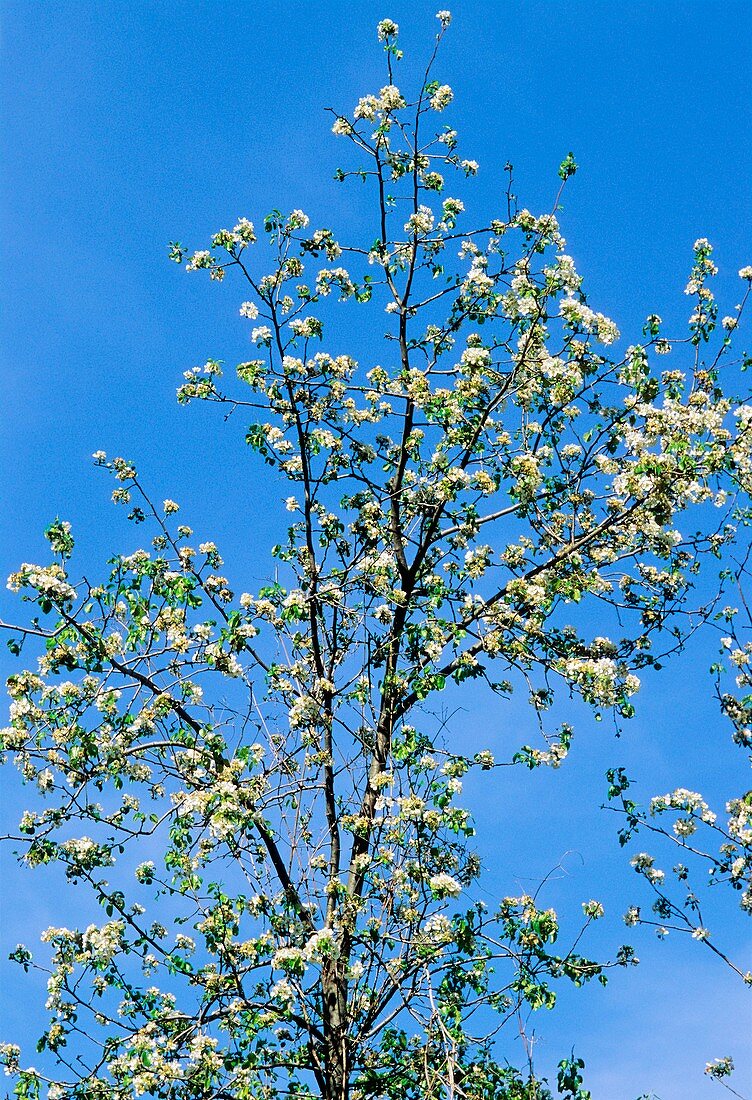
x: 308, y: 922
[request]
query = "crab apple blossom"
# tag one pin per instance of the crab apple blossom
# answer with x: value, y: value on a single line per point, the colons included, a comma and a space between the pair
x: 256, y: 784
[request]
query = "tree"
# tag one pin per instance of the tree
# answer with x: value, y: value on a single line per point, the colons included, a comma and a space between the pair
x: 461, y: 515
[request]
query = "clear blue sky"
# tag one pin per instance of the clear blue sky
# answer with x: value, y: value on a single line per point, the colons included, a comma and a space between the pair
x: 127, y: 124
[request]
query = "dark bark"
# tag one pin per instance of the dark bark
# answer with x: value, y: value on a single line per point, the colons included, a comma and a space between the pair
x: 336, y: 1040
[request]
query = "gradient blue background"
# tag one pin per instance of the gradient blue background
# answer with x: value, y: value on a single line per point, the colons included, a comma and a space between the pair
x: 127, y: 124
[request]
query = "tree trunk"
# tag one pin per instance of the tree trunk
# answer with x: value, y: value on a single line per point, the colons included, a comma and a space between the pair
x: 336, y: 1046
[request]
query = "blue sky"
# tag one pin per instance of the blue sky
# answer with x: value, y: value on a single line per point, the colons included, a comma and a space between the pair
x: 128, y: 124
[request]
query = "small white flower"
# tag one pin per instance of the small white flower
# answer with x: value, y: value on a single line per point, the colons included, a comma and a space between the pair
x: 245, y: 231
x: 444, y: 886
x: 593, y: 909
x: 391, y: 98
x: 720, y: 1067
x: 387, y: 28
x: 442, y: 97
x: 421, y: 221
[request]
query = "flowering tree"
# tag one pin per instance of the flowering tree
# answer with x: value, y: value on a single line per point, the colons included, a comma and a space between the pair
x: 467, y: 512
